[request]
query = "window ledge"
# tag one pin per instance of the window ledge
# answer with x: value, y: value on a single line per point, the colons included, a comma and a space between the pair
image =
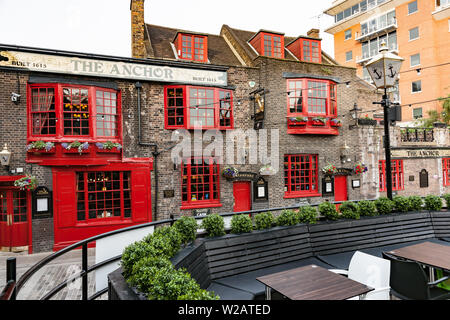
x: 200, y: 205
x: 303, y: 195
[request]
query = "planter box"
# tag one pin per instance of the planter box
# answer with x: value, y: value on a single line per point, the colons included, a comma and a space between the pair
x: 42, y: 151
x: 317, y: 123
x: 75, y: 150
x: 334, y: 124
x: 113, y: 150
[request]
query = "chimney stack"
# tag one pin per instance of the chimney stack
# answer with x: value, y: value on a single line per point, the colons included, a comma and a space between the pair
x: 137, y: 29
x: 313, y: 33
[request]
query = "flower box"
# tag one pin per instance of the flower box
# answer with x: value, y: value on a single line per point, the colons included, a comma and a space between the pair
x: 75, y: 147
x: 41, y: 151
x: 317, y: 123
x: 108, y: 147
x: 299, y: 121
x: 335, y: 123
x: 41, y: 147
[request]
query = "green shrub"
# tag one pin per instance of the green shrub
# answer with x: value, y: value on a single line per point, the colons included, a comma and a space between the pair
x: 241, y: 223
x: 214, y: 225
x: 133, y: 253
x: 159, y: 280
x: 349, y: 210
x: 415, y: 203
x: 165, y: 240
x: 367, y: 208
x: 328, y: 210
x: 307, y: 214
x: 447, y: 200
x: 287, y: 218
x: 264, y: 220
x: 187, y: 228
x: 384, y: 205
x: 401, y: 203
x: 433, y: 203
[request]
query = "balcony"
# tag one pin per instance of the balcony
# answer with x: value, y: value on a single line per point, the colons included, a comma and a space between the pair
x: 417, y: 136
x: 442, y: 12
x: 367, y: 56
x: 375, y: 32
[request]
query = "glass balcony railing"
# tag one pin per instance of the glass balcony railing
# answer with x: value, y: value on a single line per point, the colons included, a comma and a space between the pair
x: 366, y: 56
x: 375, y: 30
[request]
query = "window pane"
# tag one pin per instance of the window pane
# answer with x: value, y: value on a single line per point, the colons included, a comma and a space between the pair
x: 412, y: 7
x: 175, y: 107
x: 416, y: 86
x: 199, y: 182
x: 414, y: 33
x: 107, y: 116
x: 43, y: 116
x: 415, y: 59
x: 76, y: 112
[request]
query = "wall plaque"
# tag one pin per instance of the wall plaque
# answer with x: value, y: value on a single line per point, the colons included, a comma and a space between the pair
x: 169, y: 193
x: 201, y: 212
x: 42, y: 203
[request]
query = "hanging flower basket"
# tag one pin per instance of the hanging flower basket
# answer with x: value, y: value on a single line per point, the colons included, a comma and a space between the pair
x: 41, y: 147
x: 359, y: 169
x: 335, y: 123
x: 26, y: 183
x: 230, y: 172
x: 108, y: 147
x: 76, y: 146
x: 318, y: 121
x: 329, y: 169
x: 267, y: 170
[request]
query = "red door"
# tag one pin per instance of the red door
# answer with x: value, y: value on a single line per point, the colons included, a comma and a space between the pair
x: 242, y: 196
x: 340, y: 189
x: 13, y: 220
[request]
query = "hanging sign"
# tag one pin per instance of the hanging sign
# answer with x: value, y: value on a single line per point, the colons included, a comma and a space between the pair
x: 420, y: 153
x: 110, y: 69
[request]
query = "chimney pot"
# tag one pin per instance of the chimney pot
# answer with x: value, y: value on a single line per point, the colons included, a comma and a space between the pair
x: 314, y: 33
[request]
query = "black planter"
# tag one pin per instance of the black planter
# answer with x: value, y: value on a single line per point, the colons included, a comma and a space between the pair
x: 367, y: 122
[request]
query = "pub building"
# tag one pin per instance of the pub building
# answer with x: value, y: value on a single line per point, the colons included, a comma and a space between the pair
x: 92, y: 134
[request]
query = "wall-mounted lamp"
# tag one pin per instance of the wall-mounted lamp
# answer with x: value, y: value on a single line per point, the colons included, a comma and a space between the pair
x: 345, y: 154
x: 5, y: 156
x: 15, y: 97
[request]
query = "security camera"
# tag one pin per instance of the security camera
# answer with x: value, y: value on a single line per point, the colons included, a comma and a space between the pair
x: 15, y: 97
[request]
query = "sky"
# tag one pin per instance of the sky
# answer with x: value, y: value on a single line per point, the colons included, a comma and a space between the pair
x: 103, y: 26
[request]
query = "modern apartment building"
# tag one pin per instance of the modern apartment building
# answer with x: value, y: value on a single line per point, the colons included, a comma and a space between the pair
x: 418, y: 31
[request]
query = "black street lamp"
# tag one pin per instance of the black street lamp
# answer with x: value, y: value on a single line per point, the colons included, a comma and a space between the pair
x: 383, y: 69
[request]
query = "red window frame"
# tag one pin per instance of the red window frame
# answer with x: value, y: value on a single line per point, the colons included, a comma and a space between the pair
x: 304, y: 90
x: 311, y: 51
x: 206, y: 102
x: 301, y: 175
x: 109, y: 191
x: 397, y: 175
x: 87, y: 113
x: 192, y: 47
x: 200, y: 183
x: 446, y: 171
x: 272, y: 45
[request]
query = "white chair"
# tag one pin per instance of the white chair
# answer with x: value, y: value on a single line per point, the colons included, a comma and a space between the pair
x: 371, y: 271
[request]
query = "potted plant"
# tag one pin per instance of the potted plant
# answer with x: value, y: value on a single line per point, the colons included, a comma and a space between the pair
x: 366, y: 121
x: 267, y: 170
x: 108, y: 146
x: 230, y: 172
x: 26, y: 183
x: 329, y: 169
x: 76, y: 146
x: 359, y: 168
x: 41, y: 147
x: 335, y: 122
x: 318, y: 121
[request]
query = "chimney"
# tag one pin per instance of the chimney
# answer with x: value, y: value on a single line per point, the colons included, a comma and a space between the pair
x: 137, y: 29
x: 313, y: 33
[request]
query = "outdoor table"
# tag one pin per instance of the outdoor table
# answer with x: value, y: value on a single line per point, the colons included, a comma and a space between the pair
x: 312, y: 283
x: 430, y: 254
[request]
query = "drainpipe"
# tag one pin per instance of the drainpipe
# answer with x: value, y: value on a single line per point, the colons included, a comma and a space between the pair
x: 155, y: 153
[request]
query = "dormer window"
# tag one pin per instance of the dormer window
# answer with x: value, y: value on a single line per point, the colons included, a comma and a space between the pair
x: 268, y: 44
x: 306, y: 49
x: 192, y: 47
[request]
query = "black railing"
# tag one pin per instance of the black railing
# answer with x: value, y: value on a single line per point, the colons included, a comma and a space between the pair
x: 417, y: 135
x: 13, y: 287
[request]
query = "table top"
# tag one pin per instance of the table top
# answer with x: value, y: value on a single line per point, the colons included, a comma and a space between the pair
x: 428, y: 253
x: 313, y: 283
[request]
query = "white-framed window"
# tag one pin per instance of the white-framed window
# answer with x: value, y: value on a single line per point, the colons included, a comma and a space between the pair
x: 348, y: 55
x: 348, y: 34
x: 416, y: 86
x: 413, y: 33
x: 414, y: 60
x: 412, y: 7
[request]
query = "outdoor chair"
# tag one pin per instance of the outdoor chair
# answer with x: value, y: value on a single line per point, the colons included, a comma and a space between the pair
x: 410, y: 282
x: 371, y: 271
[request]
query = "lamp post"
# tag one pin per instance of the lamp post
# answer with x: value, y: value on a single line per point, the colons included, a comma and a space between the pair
x: 383, y: 69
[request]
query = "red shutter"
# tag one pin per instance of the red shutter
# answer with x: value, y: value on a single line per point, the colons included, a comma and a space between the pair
x: 140, y: 194
x: 65, y: 198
